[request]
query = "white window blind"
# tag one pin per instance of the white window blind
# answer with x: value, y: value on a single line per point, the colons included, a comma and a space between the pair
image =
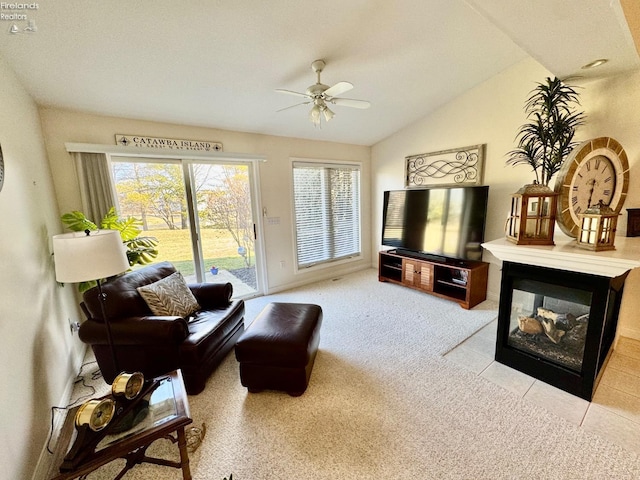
x: 327, y: 212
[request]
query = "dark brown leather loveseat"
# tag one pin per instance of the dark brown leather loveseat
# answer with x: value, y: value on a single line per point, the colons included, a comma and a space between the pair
x: 155, y: 345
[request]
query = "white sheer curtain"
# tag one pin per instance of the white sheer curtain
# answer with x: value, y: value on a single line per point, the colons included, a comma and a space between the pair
x: 96, y: 187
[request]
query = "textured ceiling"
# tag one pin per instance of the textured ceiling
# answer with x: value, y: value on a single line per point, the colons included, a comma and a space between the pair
x: 218, y: 63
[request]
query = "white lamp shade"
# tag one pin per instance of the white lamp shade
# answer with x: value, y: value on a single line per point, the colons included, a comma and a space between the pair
x: 81, y: 258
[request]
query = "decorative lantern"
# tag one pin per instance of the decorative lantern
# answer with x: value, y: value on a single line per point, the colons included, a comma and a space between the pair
x: 597, y: 228
x: 532, y: 217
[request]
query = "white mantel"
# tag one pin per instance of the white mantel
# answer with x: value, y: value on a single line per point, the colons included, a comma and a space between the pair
x: 565, y: 255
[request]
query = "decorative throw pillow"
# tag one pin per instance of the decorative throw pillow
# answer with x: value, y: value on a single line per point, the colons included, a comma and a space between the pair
x: 169, y: 296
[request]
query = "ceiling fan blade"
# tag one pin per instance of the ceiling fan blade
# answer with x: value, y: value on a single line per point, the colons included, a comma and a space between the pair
x: 291, y: 92
x: 350, y: 102
x: 338, y: 88
x: 291, y: 106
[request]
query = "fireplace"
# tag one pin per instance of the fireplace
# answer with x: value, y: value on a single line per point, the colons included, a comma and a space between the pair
x: 559, y: 308
x: 556, y: 325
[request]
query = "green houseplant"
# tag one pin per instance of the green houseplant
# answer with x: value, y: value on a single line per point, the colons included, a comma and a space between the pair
x: 547, y: 138
x: 140, y: 250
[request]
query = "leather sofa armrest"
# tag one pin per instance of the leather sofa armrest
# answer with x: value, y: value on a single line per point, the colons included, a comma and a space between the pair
x: 146, y: 330
x: 212, y: 295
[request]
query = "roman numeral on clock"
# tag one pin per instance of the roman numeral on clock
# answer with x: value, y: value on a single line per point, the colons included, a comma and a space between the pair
x: 574, y: 200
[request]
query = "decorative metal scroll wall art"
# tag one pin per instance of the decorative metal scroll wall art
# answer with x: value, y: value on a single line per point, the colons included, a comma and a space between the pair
x: 450, y: 167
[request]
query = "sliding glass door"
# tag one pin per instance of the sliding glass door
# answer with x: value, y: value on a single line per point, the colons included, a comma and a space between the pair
x: 226, y: 224
x: 202, y: 213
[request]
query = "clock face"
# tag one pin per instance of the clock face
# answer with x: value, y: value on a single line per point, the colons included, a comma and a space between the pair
x: 128, y: 384
x: 597, y: 170
x: 134, y: 386
x: 96, y: 414
x: 594, y: 181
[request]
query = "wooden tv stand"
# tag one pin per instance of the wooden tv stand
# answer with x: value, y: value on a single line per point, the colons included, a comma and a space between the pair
x: 464, y: 281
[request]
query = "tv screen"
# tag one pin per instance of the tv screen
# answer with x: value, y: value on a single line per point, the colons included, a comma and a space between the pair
x: 440, y: 221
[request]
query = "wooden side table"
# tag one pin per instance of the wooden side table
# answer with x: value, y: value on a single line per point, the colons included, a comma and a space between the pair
x: 168, y: 414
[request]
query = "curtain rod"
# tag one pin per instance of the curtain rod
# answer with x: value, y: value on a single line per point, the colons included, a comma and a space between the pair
x: 122, y: 151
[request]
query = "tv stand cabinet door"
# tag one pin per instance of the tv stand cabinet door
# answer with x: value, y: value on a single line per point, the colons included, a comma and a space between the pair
x: 417, y: 274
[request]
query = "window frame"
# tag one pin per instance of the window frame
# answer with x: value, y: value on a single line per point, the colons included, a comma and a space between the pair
x: 324, y: 163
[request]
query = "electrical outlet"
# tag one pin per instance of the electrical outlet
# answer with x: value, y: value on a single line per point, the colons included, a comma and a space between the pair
x: 282, y: 264
x: 74, y: 326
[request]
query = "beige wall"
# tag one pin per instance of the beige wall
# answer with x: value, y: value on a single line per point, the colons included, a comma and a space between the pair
x: 491, y: 113
x: 62, y: 126
x: 37, y: 352
x: 613, y: 109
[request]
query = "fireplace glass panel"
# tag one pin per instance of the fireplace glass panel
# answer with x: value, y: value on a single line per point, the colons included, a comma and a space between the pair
x: 550, y: 322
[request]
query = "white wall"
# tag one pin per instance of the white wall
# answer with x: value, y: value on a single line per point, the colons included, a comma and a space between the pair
x: 491, y: 113
x: 62, y: 126
x: 37, y: 350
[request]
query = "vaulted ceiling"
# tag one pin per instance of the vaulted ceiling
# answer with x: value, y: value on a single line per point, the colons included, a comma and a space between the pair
x: 218, y: 63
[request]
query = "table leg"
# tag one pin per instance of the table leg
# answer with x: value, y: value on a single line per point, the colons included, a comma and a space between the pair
x: 184, y: 455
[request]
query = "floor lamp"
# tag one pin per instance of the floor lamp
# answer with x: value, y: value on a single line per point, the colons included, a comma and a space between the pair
x: 91, y: 255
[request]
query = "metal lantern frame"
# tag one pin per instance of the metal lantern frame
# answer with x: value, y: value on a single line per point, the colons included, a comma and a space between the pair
x: 532, y: 217
x: 598, y: 226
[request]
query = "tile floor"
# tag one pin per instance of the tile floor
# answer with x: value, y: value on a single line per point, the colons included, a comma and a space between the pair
x: 613, y: 413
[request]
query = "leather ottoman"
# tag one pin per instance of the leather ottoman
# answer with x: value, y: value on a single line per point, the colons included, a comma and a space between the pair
x: 277, y: 351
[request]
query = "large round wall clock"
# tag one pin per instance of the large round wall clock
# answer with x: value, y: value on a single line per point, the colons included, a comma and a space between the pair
x: 596, y: 170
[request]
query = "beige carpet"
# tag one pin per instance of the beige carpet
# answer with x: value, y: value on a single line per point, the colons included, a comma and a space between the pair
x: 383, y: 403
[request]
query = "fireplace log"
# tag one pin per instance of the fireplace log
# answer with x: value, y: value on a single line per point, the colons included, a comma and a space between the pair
x: 564, y: 320
x: 549, y: 314
x: 529, y: 325
x: 554, y: 334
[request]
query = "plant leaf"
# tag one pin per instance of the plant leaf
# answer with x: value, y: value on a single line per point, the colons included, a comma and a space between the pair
x: 547, y: 139
x: 78, y: 222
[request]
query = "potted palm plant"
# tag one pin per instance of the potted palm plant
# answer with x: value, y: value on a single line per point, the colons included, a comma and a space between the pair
x: 545, y: 141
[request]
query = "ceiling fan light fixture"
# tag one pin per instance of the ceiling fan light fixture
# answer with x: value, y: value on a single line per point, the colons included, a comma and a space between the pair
x: 314, y: 115
x: 328, y: 114
x: 320, y: 94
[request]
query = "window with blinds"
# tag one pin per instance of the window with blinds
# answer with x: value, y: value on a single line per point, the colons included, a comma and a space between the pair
x: 327, y: 212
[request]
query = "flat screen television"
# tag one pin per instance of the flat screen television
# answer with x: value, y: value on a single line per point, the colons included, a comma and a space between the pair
x: 441, y: 223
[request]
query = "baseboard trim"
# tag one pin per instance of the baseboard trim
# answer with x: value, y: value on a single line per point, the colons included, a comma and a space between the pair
x: 327, y: 275
x: 44, y: 467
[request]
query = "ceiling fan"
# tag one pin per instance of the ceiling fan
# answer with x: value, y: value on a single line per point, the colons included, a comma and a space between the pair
x: 320, y: 95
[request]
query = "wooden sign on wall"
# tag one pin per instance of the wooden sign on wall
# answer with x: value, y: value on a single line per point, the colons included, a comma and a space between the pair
x: 168, y: 143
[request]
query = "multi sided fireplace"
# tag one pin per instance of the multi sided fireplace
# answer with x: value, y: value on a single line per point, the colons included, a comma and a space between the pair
x: 557, y: 326
x: 559, y: 310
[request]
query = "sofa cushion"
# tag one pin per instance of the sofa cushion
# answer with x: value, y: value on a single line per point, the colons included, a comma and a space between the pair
x: 209, y: 330
x: 169, y: 296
